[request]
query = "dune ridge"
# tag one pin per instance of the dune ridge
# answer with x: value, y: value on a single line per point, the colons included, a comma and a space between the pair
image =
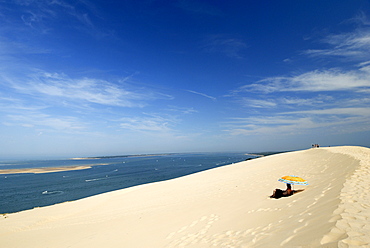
x: 227, y: 206
x: 352, y: 216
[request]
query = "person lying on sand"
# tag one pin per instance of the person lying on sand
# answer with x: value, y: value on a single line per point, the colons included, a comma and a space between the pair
x: 283, y: 193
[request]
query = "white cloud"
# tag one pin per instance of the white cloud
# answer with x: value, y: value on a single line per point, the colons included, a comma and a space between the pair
x: 256, y: 103
x: 327, y: 100
x: 268, y: 125
x: 14, y: 48
x: 364, y: 112
x: 38, y: 120
x: 352, y: 46
x: 88, y: 90
x: 289, y: 100
x: 183, y: 110
x: 358, y: 102
x: 40, y: 15
x: 334, y: 120
x: 314, y: 81
x: 360, y: 19
x: 202, y: 94
x: 146, y: 123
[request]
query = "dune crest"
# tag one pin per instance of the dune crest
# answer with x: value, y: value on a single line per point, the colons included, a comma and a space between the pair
x: 353, y: 213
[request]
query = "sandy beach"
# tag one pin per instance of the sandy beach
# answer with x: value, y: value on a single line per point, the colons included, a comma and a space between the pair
x: 44, y: 170
x: 48, y: 169
x: 227, y: 206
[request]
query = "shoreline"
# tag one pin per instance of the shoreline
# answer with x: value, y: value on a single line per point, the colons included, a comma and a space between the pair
x: 125, y: 156
x: 220, y: 207
x: 48, y: 169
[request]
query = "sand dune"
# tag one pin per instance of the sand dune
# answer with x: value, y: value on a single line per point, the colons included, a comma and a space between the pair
x: 223, y: 207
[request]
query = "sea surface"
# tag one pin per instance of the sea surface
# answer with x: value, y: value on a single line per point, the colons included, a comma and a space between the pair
x: 20, y: 192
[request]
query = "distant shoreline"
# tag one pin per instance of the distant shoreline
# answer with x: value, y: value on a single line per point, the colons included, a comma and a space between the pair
x: 40, y: 170
x: 125, y: 156
x: 263, y: 154
x: 47, y: 169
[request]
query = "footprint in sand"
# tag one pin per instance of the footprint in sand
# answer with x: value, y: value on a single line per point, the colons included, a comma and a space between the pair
x: 197, y: 233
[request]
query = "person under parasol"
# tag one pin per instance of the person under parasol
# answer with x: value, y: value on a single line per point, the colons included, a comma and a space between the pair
x: 289, y: 180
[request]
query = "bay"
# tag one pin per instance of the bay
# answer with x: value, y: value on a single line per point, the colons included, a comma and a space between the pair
x: 20, y: 192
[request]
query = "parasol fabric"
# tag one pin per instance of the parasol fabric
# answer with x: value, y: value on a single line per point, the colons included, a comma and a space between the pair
x: 293, y: 180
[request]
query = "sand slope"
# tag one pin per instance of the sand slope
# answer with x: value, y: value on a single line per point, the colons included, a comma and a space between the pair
x: 223, y: 207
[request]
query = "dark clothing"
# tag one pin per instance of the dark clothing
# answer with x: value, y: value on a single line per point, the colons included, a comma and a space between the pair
x: 278, y: 193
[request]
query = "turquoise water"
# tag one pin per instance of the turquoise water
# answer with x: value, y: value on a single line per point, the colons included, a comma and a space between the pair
x: 25, y: 191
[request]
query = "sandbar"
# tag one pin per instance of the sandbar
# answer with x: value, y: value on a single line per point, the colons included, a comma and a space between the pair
x: 47, y: 169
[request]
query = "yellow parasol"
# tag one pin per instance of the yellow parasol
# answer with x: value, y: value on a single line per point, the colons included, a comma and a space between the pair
x: 293, y: 180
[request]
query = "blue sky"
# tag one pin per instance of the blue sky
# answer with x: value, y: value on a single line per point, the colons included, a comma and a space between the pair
x: 88, y: 78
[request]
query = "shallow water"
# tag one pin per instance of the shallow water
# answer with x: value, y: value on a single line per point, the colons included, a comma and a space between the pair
x: 25, y: 191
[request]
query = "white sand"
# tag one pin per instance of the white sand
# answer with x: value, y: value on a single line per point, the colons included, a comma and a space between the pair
x: 49, y: 169
x: 223, y: 207
x: 45, y: 169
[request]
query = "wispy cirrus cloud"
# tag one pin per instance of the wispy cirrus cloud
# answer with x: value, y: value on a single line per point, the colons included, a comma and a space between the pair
x: 14, y: 48
x: 228, y: 46
x: 334, y: 120
x: 334, y: 99
x: 42, y: 121
x: 297, y: 101
x: 352, y: 46
x: 18, y: 111
x: 56, y: 86
x: 182, y: 110
x: 270, y: 125
x: 13, y: 104
x: 202, y: 94
x: 37, y: 15
x: 55, y: 101
x: 314, y: 81
x: 257, y: 103
x: 148, y: 123
x: 336, y: 111
x: 289, y: 102
x: 309, y: 111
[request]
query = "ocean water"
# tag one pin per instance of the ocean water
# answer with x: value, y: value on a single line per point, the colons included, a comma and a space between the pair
x: 26, y: 191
